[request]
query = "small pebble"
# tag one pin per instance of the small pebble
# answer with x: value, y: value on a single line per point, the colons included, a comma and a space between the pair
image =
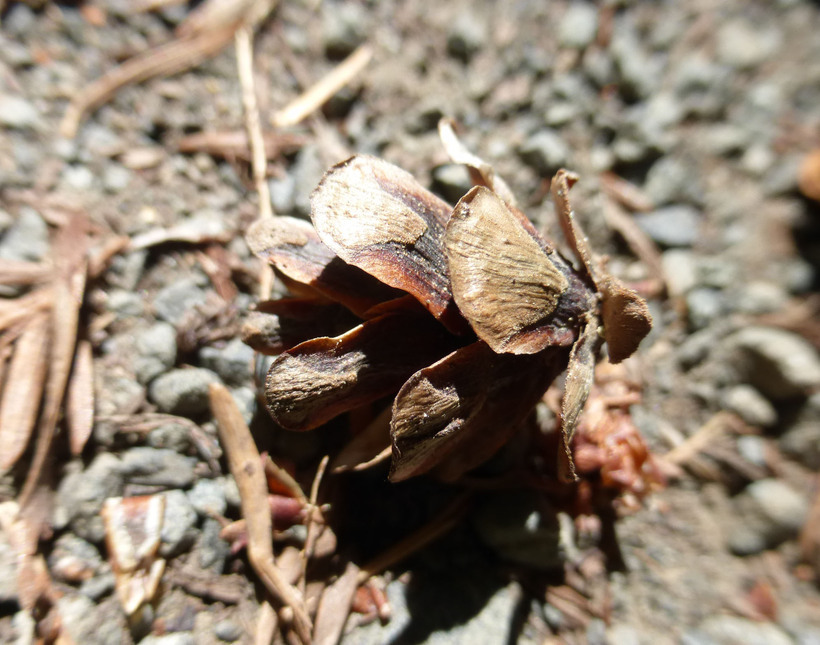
x: 73, y: 560
x: 779, y: 363
x: 126, y: 304
x: 750, y: 405
x: 673, y: 179
x: 79, y: 178
x: 157, y: 351
x: 8, y: 571
x: 157, y: 467
x: 173, y: 436
x: 451, y: 181
x: 18, y: 113
x: 87, y: 622
x: 228, y: 631
x: 680, y: 271
x: 545, y: 151
x: 345, y: 26
x: 742, y: 45
x: 208, y: 497
x: 672, y: 226
x: 27, y: 238
x: 213, y: 550
x: 82, y: 492
x: 704, y: 305
x: 233, y: 363
x: 178, y: 525
x: 183, y: 391
x: 467, y: 34
x: 801, y: 440
x: 579, y: 25
x: 174, y: 638
x: 173, y: 302
x: 734, y: 630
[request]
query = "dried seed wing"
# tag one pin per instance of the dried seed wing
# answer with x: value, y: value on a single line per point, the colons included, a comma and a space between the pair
x: 627, y: 320
x: 625, y: 314
x: 481, y: 173
x: 321, y: 378
x: 292, y: 246
x: 457, y: 413
x: 278, y: 325
x: 504, y: 283
x: 379, y: 218
x: 580, y: 376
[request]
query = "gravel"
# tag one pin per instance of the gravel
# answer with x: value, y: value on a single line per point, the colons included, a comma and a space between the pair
x: 579, y: 26
x: 233, y: 362
x: 183, y: 391
x: 173, y: 302
x: 26, y: 239
x: 673, y: 226
x: 546, y: 151
x: 178, y: 533
x: 156, y: 351
x: 208, y: 497
x: 157, y: 467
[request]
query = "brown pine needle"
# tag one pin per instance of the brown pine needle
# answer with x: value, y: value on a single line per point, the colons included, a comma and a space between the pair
x: 246, y: 466
x: 23, y: 308
x: 318, y: 94
x: 22, y: 273
x: 70, y: 248
x: 165, y: 60
x: 23, y: 390
x: 334, y: 607
x: 80, y: 399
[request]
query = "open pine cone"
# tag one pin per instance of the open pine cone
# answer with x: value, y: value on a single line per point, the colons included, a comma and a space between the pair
x: 467, y: 314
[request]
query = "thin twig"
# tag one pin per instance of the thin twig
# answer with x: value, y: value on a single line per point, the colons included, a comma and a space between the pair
x: 246, y: 467
x: 315, y: 96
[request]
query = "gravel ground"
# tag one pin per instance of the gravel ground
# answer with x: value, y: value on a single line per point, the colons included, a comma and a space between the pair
x: 707, y: 106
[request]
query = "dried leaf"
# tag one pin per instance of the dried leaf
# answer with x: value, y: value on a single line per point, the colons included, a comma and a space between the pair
x: 293, y: 247
x: 23, y: 390
x: 472, y: 399
x: 580, y: 376
x: 625, y: 314
x: 334, y: 607
x: 504, y: 283
x: 80, y: 399
x: 323, y: 377
x: 133, y: 528
x: 379, y: 218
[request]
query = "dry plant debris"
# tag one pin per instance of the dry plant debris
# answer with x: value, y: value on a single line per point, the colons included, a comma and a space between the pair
x: 467, y: 313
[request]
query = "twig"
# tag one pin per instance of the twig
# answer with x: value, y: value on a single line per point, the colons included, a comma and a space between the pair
x: 315, y: 96
x: 246, y: 467
x: 167, y: 59
x: 312, y: 527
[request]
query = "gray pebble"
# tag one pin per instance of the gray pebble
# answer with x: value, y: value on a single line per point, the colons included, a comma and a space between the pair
x: 753, y: 449
x: 178, y: 525
x: 672, y: 226
x: 750, y: 405
x: 734, y: 630
x: 27, y: 238
x: 282, y: 193
x: 157, y: 467
x: 233, y: 363
x: 639, y: 71
x: 466, y: 35
x: 126, y: 304
x: 208, y: 497
x: 71, y: 555
x: 308, y: 170
x: 545, y: 151
x: 780, y: 364
x: 579, y: 25
x: 173, y: 302
x: 173, y: 436
x: 116, y: 178
x: 18, y: 113
x: 157, y: 348
x: 680, y: 270
x: 760, y: 298
x: 704, y: 305
x: 82, y: 492
x: 100, y: 585
x: 213, y: 550
x: 8, y: 571
x: 344, y: 26
x: 87, y: 622
x: 175, y: 638
x: 6, y: 221
x: 672, y: 179
x: 769, y: 512
x: 451, y: 181
x: 227, y: 630
x: 742, y: 45
x: 517, y: 528
x: 245, y: 398
x: 183, y: 391
x: 79, y: 178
